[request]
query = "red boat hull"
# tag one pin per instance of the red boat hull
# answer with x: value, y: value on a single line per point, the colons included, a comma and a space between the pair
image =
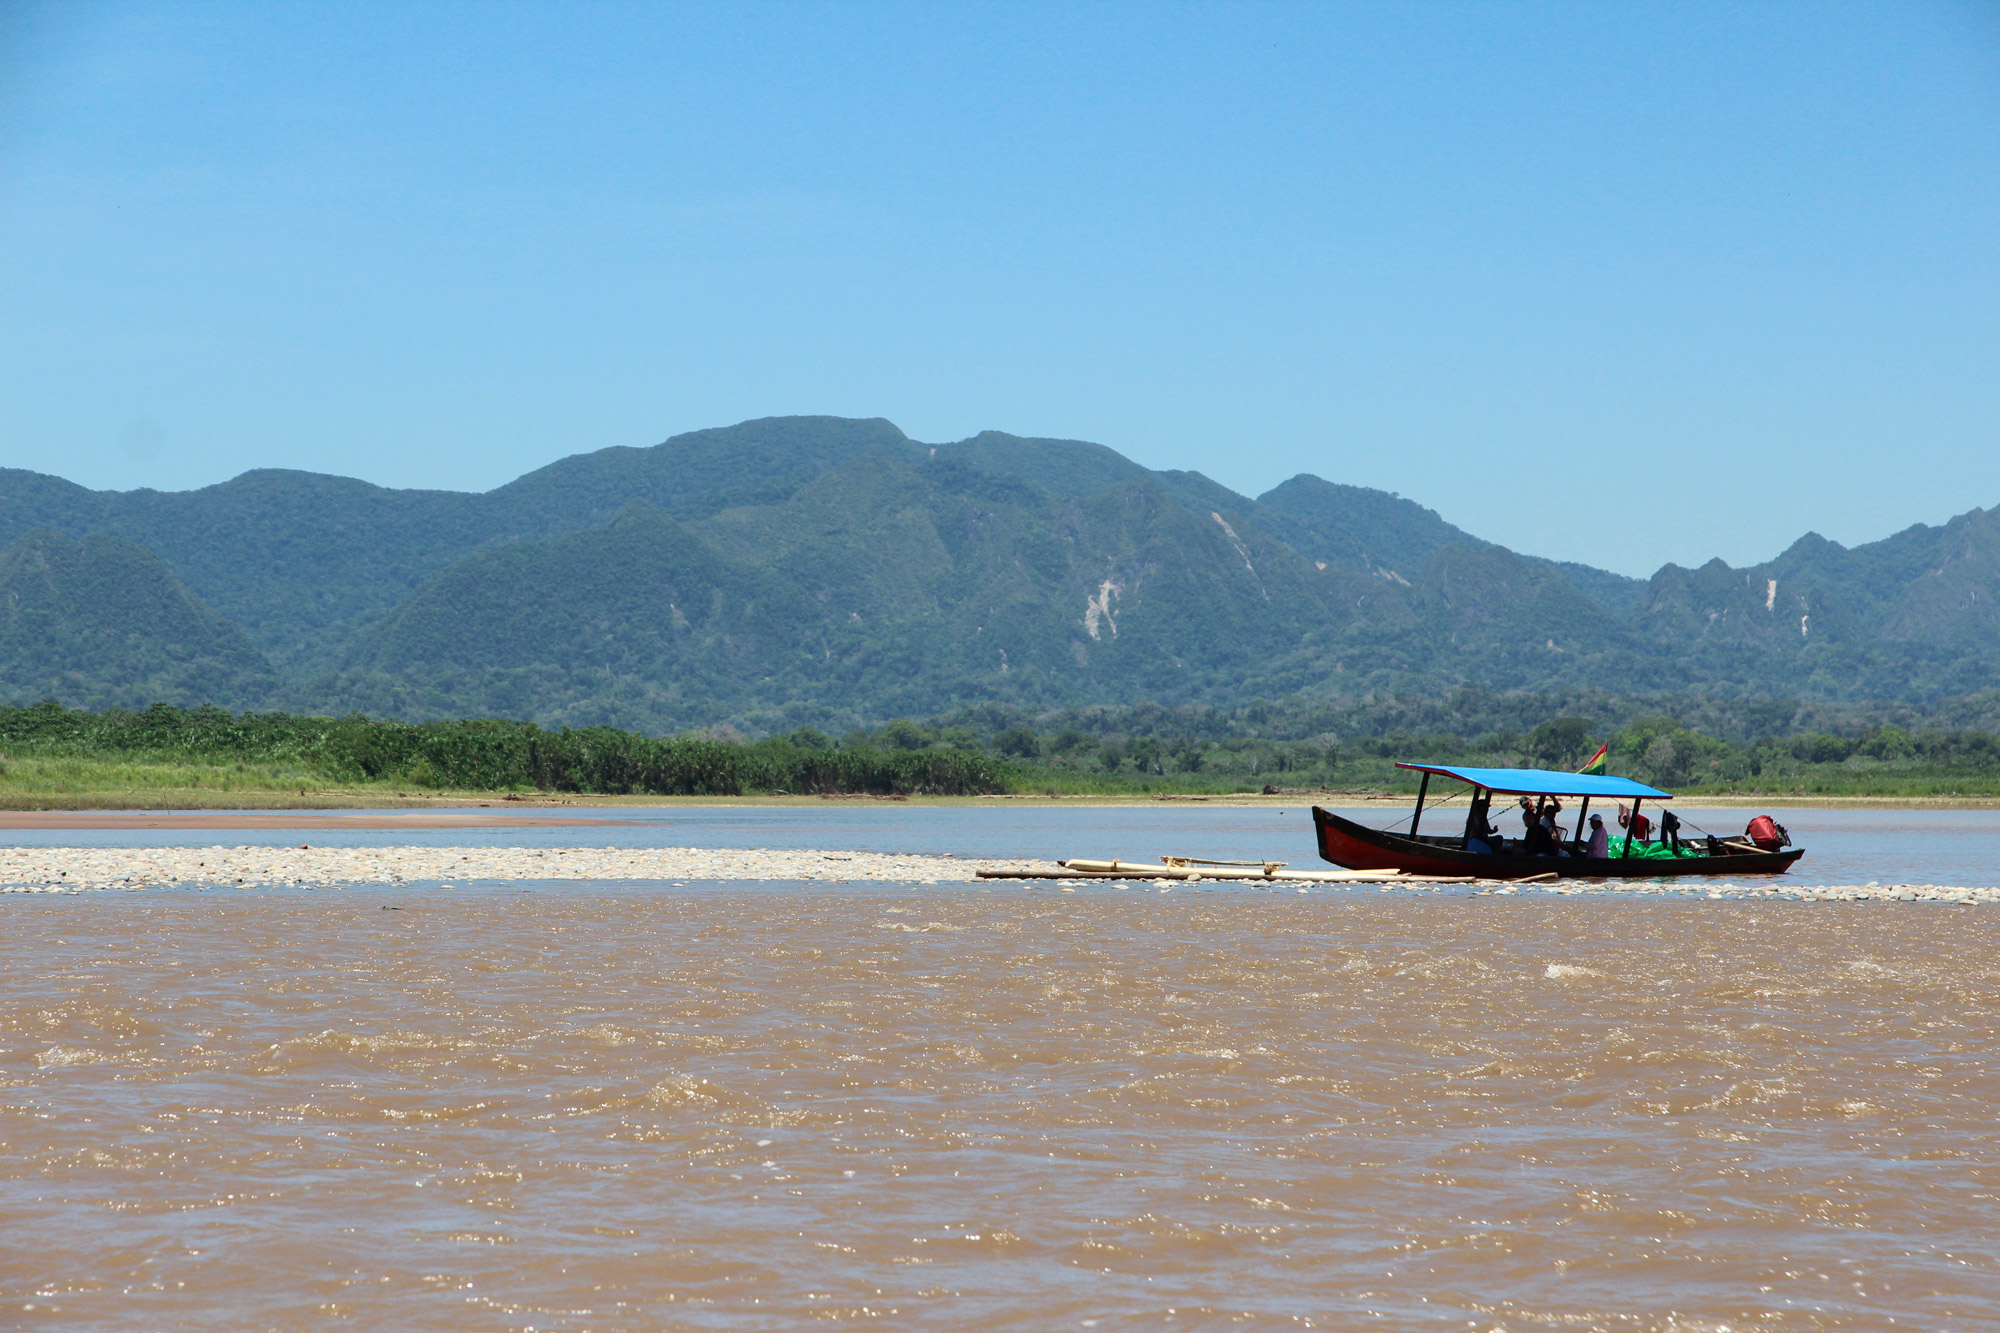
x: 1357, y: 847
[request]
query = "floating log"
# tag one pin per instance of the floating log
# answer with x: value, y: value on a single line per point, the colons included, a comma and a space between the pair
x: 1083, y: 868
x: 1181, y: 862
x: 1261, y: 871
x: 1353, y: 877
x: 1047, y: 874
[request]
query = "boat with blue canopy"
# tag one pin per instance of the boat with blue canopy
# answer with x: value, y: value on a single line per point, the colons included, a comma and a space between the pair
x: 1546, y: 846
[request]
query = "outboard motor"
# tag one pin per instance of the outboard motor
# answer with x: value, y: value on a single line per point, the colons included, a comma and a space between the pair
x: 1767, y: 833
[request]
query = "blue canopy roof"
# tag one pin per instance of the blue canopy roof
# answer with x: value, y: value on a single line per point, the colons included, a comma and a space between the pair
x: 1544, y: 782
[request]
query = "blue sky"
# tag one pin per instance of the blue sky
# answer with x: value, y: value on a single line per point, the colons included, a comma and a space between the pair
x: 1612, y: 283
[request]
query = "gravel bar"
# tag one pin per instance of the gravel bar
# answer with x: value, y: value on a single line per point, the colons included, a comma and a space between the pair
x: 75, y: 869
x: 55, y: 869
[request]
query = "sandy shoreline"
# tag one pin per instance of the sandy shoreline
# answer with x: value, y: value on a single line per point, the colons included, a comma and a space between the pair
x: 304, y: 819
x: 540, y: 812
x: 84, y: 869
x: 40, y: 869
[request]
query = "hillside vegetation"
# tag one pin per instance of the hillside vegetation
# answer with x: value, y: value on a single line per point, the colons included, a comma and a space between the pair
x: 823, y: 572
x: 104, y: 622
x: 165, y: 756
x: 479, y: 755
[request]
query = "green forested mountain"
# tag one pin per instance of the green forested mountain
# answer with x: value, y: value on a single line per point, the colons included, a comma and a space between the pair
x: 304, y: 561
x: 102, y: 622
x: 830, y: 571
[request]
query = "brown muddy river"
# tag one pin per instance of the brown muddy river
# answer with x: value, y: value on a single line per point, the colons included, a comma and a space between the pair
x: 753, y: 1106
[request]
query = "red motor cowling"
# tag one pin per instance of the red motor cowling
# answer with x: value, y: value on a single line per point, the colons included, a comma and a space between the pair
x: 1767, y: 833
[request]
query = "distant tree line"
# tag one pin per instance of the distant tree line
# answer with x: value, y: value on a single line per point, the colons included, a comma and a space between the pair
x: 1470, y: 711
x: 1286, y: 744
x: 1224, y: 748
x: 489, y: 755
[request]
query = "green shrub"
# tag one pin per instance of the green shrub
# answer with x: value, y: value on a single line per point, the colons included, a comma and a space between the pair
x: 493, y: 755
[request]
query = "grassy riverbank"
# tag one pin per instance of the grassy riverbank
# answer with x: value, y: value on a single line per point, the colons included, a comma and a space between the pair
x: 167, y: 758
x: 89, y: 783
x: 52, y: 753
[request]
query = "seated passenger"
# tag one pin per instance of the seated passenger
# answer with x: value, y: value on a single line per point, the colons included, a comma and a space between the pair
x: 1479, y: 834
x: 1600, y: 839
x: 1551, y: 835
x: 1537, y: 841
x: 1542, y: 835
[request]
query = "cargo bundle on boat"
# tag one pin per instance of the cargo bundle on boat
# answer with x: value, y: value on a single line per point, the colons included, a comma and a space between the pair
x: 1570, y: 852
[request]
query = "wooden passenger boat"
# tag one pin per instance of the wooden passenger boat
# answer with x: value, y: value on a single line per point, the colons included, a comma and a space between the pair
x: 1358, y: 847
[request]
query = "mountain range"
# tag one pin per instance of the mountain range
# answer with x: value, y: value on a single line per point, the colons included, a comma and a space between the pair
x: 830, y: 571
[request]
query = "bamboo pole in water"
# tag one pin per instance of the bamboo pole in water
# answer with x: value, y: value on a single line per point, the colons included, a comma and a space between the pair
x: 1116, y: 869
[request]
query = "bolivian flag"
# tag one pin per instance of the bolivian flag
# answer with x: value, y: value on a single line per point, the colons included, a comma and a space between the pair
x: 1595, y: 764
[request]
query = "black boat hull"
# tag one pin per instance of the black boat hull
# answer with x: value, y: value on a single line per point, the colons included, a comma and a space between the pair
x: 1358, y: 847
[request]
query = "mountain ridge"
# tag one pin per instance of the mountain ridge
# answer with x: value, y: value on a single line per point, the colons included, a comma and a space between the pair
x: 927, y: 576
x: 104, y: 623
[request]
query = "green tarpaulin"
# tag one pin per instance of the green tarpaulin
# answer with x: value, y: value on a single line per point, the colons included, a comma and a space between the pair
x: 1651, y: 851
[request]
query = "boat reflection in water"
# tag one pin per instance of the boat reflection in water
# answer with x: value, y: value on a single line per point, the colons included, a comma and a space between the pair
x: 1358, y: 847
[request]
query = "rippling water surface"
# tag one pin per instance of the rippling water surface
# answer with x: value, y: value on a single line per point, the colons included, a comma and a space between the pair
x: 754, y: 1106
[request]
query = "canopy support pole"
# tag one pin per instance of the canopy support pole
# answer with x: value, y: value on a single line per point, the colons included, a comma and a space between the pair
x: 1422, y: 788
x: 1631, y: 829
x: 1582, y: 815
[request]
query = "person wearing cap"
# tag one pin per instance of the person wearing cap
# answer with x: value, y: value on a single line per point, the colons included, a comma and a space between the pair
x: 1600, y: 840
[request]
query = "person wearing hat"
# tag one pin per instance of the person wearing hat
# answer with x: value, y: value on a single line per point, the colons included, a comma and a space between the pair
x: 1600, y: 840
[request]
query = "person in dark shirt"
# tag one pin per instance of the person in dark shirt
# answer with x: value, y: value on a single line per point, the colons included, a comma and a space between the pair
x: 1536, y: 839
x: 1479, y: 834
x: 1551, y: 832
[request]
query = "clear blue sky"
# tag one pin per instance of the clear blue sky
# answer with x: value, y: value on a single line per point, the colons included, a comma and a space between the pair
x: 1605, y: 282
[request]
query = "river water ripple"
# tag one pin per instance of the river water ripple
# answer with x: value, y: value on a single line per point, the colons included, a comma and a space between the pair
x: 751, y: 1106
